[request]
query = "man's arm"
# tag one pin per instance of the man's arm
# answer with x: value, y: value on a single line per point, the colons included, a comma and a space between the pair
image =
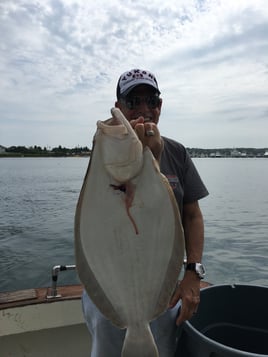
x: 189, y: 288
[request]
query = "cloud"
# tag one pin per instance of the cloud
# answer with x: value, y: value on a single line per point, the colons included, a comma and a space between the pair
x: 60, y: 61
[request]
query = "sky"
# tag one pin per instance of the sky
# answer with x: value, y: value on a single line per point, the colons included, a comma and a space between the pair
x: 60, y: 61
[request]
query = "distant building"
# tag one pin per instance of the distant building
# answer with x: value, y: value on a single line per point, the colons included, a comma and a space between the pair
x: 265, y: 154
x: 235, y: 153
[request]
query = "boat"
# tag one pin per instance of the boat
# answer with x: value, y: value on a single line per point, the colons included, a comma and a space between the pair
x: 42, y: 322
x: 48, y: 321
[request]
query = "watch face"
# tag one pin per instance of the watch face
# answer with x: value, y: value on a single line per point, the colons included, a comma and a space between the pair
x: 200, y: 269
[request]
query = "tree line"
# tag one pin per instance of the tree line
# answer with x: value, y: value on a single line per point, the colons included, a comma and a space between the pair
x: 39, y: 151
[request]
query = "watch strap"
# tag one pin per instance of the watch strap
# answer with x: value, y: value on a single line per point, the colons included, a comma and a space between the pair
x: 190, y: 266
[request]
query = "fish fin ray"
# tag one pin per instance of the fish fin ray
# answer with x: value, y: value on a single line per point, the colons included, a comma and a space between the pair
x: 139, y: 341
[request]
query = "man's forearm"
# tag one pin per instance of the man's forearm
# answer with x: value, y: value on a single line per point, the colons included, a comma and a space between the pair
x: 194, y: 232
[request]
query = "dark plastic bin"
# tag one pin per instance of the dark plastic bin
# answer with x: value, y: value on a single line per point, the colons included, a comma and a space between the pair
x: 232, y: 320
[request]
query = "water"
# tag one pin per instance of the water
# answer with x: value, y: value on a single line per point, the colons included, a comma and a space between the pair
x: 236, y: 219
x: 37, y: 205
x: 38, y: 199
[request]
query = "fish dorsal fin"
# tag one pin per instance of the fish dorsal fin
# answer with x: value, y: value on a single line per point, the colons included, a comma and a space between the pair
x: 121, y: 149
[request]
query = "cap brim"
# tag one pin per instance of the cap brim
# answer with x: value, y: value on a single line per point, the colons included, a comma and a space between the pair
x: 127, y: 91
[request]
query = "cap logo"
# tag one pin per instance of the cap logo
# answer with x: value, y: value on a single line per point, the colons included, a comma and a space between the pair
x: 130, y: 79
x: 136, y: 74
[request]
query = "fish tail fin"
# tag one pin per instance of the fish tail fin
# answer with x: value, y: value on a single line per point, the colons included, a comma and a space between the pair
x: 139, y: 341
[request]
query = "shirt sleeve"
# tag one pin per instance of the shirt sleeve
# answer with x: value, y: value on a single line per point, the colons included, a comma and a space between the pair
x: 177, y: 165
x: 194, y: 188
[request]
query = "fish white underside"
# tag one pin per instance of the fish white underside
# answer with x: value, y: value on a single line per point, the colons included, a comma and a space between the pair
x: 129, y: 262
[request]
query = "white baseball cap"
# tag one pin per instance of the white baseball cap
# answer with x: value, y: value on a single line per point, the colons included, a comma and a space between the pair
x: 130, y: 79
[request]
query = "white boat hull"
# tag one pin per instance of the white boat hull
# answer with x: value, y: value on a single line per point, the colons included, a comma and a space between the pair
x: 40, y: 327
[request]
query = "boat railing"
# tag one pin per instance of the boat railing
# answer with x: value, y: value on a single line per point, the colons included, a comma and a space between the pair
x: 52, y: 292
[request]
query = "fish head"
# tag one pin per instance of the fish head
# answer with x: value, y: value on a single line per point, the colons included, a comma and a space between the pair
x: 121, y: 149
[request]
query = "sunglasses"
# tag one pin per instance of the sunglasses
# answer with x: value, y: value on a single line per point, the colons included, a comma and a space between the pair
x: 134, y: 102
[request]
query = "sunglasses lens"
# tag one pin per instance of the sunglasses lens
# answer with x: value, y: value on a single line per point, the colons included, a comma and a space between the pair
x: 134, y: 102
x: 153, y: 102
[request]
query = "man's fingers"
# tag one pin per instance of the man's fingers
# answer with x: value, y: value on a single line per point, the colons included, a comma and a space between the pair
x: 140, y: 130
x: 186, y: 313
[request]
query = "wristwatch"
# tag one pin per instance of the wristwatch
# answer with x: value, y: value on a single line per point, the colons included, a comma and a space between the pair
x: 198, y: 268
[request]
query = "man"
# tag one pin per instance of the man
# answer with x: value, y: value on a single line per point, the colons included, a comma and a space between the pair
x: 138, y: 97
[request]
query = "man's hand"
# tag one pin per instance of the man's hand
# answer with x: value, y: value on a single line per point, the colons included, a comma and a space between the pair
x: 154, y: 142
x: 188, y: 290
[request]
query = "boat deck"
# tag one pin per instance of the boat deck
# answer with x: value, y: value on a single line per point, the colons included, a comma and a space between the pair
x: 38, y: 296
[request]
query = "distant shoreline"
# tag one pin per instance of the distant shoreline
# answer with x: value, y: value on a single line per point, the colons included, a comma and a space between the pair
x: 195, y: 156
x: 37, y: 151
x: 10, y: 156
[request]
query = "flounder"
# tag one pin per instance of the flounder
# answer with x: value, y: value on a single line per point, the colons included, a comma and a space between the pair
x: 129, y: 240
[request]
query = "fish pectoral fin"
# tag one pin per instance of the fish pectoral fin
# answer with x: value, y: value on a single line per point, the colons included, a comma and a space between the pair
x: 139, y: 341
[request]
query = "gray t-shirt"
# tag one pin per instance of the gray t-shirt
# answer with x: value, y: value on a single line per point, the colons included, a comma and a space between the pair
x: 181, y: 173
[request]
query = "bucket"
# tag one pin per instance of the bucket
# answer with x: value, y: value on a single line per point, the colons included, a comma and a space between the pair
x: 232, y: 320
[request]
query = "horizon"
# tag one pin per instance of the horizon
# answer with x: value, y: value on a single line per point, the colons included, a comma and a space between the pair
x: 49, y: 148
